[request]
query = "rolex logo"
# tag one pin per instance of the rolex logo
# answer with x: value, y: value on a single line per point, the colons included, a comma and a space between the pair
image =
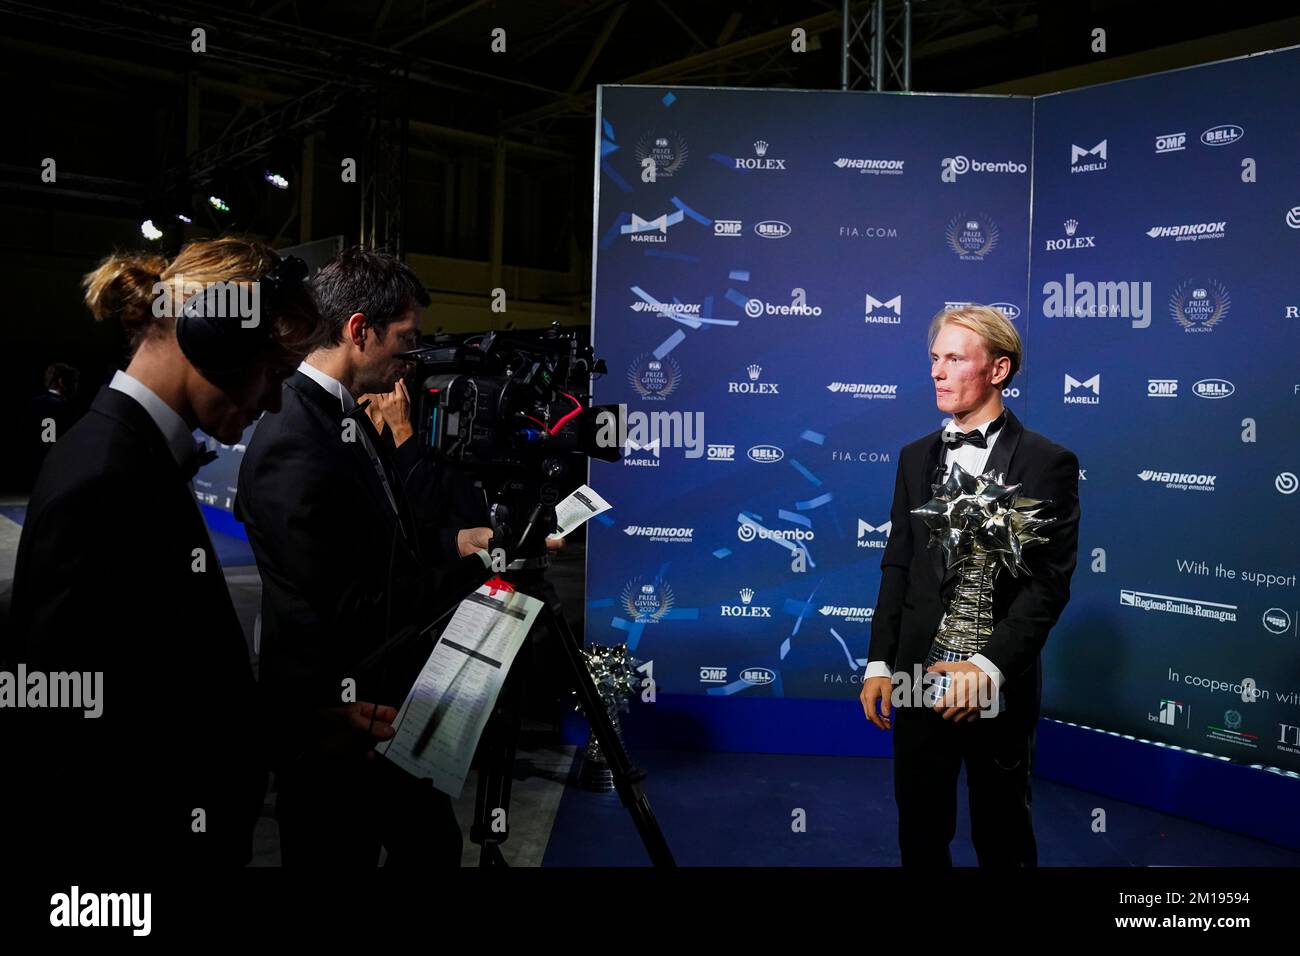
x: 1070, y: 226
x: 754, y: 371
x: 746, y: 595
x: 760, y: 147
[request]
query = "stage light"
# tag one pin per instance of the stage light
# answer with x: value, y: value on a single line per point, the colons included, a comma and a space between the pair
x: 149, y: 230
x: 276, y: 180
x: 217, y: 203
x: 184, y: 218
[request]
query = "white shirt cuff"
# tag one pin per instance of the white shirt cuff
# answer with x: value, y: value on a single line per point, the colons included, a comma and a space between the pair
x: 988, y: 667
x: 878, y: 669
x: 487, y: 560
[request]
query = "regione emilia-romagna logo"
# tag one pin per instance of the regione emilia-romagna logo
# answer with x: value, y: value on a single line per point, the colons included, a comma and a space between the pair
x: 1084, y: 160
x: 646, y: 603
x: 667, y: 149
x: 1293, y: 217
x: 653, y: 378
x: 651, y: 230
x: 1286, y: 483
x: 972, y: 237
x: 1199, y: 306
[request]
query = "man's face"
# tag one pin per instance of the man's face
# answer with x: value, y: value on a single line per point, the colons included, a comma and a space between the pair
x: 225, y: 411
x: 378, y: 370
x: 962, y: 370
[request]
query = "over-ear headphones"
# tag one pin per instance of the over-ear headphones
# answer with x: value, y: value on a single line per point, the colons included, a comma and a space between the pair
x: 211, y: 330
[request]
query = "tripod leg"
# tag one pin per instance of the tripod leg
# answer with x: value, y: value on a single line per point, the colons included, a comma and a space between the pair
x: 491, y: 826
x: 627, y: 779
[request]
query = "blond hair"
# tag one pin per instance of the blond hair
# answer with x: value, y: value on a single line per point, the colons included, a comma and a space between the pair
x: 991, y: 325
x: 124, y: 286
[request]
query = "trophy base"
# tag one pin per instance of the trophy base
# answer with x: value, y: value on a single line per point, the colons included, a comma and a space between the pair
x: 595, y: 776
x: 938, y: 684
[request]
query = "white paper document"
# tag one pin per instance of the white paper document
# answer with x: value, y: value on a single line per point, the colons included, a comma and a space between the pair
x: 440, y: 722
x: 577, y: 509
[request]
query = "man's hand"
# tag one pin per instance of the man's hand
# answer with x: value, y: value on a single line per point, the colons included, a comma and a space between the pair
x: 554, y: 544
x: 353, y: 729
x: 876, y: 692
x: 970, y: 685
x: 469, y: 540
x: 395, y: 407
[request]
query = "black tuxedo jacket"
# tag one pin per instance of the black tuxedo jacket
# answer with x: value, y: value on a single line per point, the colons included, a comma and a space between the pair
x: 915, y: 583
x: 107, y: 580
x: 325, y: 537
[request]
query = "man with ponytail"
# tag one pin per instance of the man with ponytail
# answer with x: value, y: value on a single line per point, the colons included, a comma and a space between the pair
x: 117, y: 578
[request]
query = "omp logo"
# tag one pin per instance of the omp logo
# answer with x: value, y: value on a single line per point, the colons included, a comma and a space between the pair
x: 1162, y: 388
x: 730, y: 228
x: 758, y: 675
x: 713, y: 675
x: 1171, y: 142
x: 722, y: 453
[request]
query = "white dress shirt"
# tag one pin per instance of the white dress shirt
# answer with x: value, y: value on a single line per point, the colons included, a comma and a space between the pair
x: 179, y: 438
x: 973, y: 460
x: 347, y: 402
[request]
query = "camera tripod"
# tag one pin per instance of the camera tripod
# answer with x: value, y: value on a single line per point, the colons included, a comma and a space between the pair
x: 500, y: 738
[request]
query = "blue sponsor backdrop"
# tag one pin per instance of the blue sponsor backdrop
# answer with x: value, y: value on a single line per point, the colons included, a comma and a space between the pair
x: 762, y: 302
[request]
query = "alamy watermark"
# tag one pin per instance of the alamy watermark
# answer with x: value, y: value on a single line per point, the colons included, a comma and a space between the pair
x: 74, y: 690
x: 242, y: 300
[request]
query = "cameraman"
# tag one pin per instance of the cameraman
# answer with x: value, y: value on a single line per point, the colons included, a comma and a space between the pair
x: 343, y: 569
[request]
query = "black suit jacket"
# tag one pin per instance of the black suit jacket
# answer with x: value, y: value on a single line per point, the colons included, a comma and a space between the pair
x: 106, y: 580
x: 915, y: 583
x: 325, y: 536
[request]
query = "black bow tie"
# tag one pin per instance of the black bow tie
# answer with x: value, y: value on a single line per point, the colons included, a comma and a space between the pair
x: 195, y: 460
x: 975, y: 437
